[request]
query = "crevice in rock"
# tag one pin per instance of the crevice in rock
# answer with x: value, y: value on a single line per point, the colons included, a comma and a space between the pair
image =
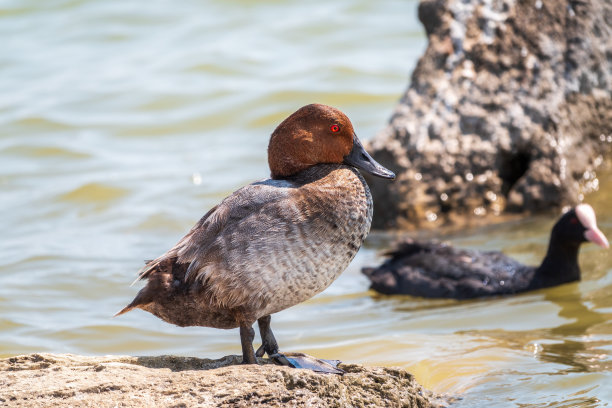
x: 512, y: 166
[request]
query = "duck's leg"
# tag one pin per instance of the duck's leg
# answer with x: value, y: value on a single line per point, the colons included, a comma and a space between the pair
x: 247, y: 334
x: 268, y: 342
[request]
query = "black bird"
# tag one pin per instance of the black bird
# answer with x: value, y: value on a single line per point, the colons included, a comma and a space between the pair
x: 435, y: 270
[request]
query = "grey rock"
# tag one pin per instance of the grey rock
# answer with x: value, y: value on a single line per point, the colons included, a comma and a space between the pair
x: 509, y: 110
x: 66, y: 380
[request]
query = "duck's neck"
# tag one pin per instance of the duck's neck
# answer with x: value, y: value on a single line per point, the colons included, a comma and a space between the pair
x: 561, y: 262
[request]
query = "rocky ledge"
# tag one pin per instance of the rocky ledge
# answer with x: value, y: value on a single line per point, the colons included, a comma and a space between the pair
x: 50, y: 380
x: 509, y: 111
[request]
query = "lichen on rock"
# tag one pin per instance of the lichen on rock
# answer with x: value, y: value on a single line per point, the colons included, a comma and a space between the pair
x: 509, y: 110
x: 50, y: 380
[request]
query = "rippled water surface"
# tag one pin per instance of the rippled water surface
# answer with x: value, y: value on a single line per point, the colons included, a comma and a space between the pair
x: 122, y: 122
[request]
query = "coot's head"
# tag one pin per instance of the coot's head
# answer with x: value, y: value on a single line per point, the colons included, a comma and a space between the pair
x: 578, y: 225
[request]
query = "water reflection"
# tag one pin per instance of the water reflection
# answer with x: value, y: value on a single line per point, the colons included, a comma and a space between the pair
x: 582, y: 341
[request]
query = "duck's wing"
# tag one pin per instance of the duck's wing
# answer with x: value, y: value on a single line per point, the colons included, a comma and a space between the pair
x: 214, y: 255
x: 206, y: 227
x: 431, y: 269
x: 243, y: 203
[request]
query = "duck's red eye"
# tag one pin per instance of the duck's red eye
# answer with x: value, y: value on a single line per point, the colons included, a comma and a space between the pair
x: 335, y: 128
x: 574, y: 220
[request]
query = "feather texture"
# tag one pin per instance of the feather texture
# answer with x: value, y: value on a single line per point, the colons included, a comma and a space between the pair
x: 268, y: 246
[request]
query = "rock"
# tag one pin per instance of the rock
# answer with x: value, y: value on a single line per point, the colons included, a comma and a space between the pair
x: 50, y: 380
x: 509, y: 110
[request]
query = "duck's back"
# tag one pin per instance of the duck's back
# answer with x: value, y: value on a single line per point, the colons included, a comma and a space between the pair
x: 266, y: 247
x: 435, y: 270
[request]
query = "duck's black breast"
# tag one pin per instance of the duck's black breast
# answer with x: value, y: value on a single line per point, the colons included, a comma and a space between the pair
x: 435, y: 270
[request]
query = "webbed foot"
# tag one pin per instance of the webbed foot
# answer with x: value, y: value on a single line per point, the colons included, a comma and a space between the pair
x: 301, y: 360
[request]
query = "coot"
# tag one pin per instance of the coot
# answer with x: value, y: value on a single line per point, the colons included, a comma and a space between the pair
x: 436, y: 270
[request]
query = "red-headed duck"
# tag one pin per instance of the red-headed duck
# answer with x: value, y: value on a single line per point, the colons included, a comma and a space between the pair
x: 435, y: 270
x: 274, y: 243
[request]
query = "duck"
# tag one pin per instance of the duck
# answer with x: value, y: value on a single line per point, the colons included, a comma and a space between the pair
x: 432, y: 269
x: 274, y: 243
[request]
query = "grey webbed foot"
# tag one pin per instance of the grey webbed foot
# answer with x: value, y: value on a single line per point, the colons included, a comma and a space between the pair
x: 301, y: 360
x: 269, y: 346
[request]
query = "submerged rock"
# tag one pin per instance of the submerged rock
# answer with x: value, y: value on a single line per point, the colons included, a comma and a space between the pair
x: 49, y: 380
x: 509, y: 110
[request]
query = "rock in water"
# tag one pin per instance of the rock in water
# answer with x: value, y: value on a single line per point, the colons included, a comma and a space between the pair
x: 50, y: 380
x: 509, y: 110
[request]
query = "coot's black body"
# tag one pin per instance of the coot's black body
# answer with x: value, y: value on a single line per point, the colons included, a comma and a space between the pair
x: 435, y: 270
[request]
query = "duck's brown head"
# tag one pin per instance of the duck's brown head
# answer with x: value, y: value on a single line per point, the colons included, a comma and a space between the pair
x: 317, y: 134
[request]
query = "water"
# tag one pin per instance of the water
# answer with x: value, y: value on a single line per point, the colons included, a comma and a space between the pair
x: 122, y: 122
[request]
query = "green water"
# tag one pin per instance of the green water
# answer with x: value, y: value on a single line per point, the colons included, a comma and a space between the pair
x: 122, y: 122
